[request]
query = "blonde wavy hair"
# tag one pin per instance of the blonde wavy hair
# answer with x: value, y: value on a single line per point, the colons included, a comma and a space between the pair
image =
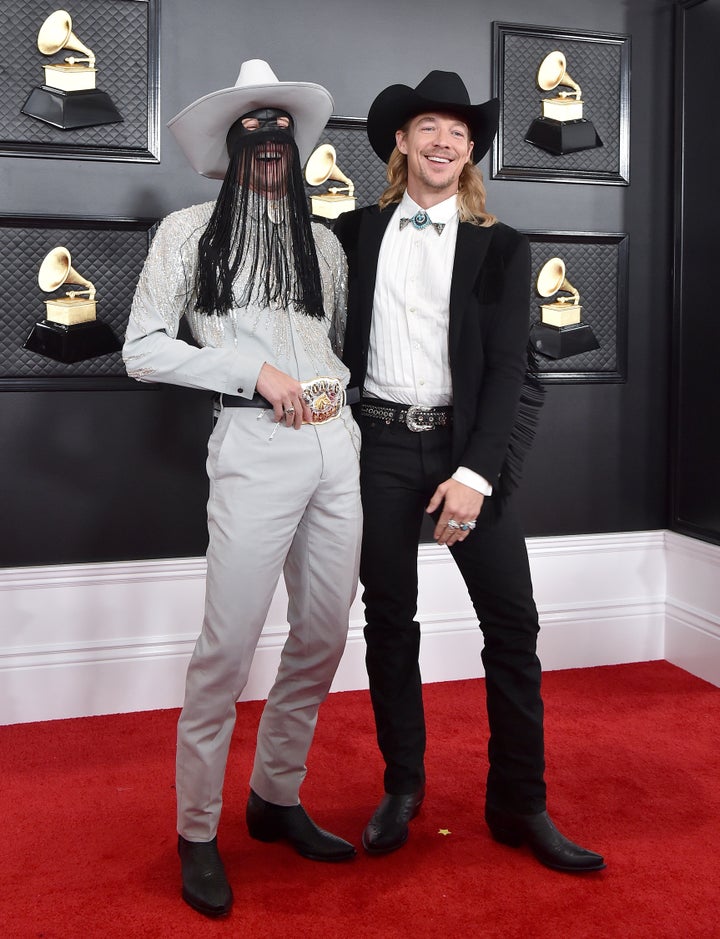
x: 471, y: 190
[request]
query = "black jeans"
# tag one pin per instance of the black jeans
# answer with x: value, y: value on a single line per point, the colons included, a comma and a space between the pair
x: 400, y: 470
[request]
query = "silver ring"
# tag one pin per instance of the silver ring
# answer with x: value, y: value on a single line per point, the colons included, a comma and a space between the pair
x: 290, y: 410
x: 453, y: 524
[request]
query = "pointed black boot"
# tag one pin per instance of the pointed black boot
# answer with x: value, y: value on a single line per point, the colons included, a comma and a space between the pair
x: 269, y: 822
x: 205, y: 886
x: 388, y: 829
x: 548, y: 845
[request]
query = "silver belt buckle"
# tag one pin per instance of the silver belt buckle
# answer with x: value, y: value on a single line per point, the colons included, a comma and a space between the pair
x: 325, y: 397
x: 414, y: 416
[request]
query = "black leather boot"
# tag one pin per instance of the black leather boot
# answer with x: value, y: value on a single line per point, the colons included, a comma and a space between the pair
x: 388, y: 829
x: 204, y: 884
x: 269, y: 822
x: 539, y: 833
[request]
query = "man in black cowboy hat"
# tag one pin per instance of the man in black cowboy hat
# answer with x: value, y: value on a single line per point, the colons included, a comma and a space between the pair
x: 263, y: 292
x: 437, y: 338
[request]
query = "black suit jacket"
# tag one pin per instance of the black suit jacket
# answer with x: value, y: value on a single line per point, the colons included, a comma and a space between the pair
x: 496, y: 398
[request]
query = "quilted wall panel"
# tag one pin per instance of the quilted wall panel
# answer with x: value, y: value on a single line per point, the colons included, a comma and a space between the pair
x: 356, y: 158
x: 111, y: 257
x: 601, y: 70
x: 596, y: 266
x: 117, y: 31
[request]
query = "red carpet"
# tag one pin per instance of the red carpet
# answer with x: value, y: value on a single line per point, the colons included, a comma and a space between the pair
x: 633, y: 772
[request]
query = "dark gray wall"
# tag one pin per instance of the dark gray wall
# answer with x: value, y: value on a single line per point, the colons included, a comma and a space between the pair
x: 119, y: 475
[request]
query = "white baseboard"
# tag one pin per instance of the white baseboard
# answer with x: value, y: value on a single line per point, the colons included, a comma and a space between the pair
x: 692, y: 618
x: 80, y: 640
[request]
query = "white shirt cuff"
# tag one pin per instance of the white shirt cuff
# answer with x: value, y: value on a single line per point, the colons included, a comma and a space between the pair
x: 474, y: 480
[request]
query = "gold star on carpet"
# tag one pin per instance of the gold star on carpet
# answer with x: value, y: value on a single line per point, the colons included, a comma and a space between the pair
x: 444, y: 831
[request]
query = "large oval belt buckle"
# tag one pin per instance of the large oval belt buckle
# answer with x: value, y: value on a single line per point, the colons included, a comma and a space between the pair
x: 418, y: 418
x: 325, y: 397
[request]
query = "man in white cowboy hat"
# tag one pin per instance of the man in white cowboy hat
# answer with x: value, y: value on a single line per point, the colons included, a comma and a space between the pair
x: 263, y: 292
x: 436, y: 340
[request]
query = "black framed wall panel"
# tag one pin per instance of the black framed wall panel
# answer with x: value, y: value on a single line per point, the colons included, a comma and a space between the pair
x: 600, y: 64
x: 354, y: 157
x: 124, y: 37
x: 597, y: 264
x: 108, y: 252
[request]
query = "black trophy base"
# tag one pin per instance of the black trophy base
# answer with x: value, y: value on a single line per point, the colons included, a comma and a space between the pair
x: 560, y: 137
x: 71, y: 343
x: 70, y: 110
x: 560, y: 343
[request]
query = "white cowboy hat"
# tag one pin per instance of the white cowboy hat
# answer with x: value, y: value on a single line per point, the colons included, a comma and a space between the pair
x: 201, y: 127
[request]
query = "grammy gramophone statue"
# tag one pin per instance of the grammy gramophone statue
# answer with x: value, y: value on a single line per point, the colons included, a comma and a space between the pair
x: 322, y: 166
x: 68, y: 99
x: 70, y: 331
x: 562, y: 127
x: 561, y: 331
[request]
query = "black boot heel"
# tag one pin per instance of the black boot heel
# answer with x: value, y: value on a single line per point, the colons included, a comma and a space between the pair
x: 502, y: 828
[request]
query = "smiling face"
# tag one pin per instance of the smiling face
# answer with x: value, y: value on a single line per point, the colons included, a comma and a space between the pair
x: 267, y: 128
x: 270, y: 167
x: 437, y: 147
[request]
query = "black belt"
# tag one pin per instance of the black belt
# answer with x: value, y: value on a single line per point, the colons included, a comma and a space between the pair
x: 416, y: 417
x: 235, y: 401
x: 352, y: 396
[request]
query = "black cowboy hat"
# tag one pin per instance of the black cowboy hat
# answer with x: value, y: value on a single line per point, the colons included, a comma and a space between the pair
x: 438, y: 91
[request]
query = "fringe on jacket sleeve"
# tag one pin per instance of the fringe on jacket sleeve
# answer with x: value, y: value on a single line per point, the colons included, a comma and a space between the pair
x: 524, y: 429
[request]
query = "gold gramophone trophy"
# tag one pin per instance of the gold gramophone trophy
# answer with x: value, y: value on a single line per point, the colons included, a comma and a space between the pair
x: 70, y: 331
x: 561, y: 331
x: 562, y: 127
x: 68, y: 99
x: 320, y: 167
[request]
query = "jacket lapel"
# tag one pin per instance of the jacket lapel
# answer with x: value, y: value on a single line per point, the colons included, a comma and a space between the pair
x: 470, y: 250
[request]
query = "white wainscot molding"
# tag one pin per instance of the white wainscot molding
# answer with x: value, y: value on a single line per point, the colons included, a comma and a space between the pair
x: 80, y: 640
x: 692, y: 621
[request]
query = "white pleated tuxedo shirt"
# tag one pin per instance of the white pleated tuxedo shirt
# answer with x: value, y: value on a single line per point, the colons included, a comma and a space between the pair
x: 408, y: 354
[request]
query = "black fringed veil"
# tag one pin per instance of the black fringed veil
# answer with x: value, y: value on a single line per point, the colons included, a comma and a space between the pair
x: 260, y: 225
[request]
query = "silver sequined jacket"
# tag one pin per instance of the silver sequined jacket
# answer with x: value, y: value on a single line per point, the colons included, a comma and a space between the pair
x: 232, y: 348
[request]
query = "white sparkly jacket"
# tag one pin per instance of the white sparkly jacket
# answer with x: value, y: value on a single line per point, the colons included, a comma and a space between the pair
x: 231, y: 348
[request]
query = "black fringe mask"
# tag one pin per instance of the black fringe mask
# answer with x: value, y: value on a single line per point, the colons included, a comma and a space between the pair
x: 260, y: 224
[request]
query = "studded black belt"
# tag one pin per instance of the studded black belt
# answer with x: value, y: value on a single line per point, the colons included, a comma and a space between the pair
x: 416, y: 417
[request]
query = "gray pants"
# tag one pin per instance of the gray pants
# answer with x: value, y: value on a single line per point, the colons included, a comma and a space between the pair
x: 287, y: 505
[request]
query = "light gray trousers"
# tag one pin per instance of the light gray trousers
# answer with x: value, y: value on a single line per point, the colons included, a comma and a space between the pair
x: 287, y: 505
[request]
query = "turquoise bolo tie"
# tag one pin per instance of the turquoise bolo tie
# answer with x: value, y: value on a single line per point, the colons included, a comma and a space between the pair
x: 422, y: 220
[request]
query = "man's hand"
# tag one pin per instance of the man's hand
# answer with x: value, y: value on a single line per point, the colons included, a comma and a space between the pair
x: 284, y: 393
x: 461, y: 505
